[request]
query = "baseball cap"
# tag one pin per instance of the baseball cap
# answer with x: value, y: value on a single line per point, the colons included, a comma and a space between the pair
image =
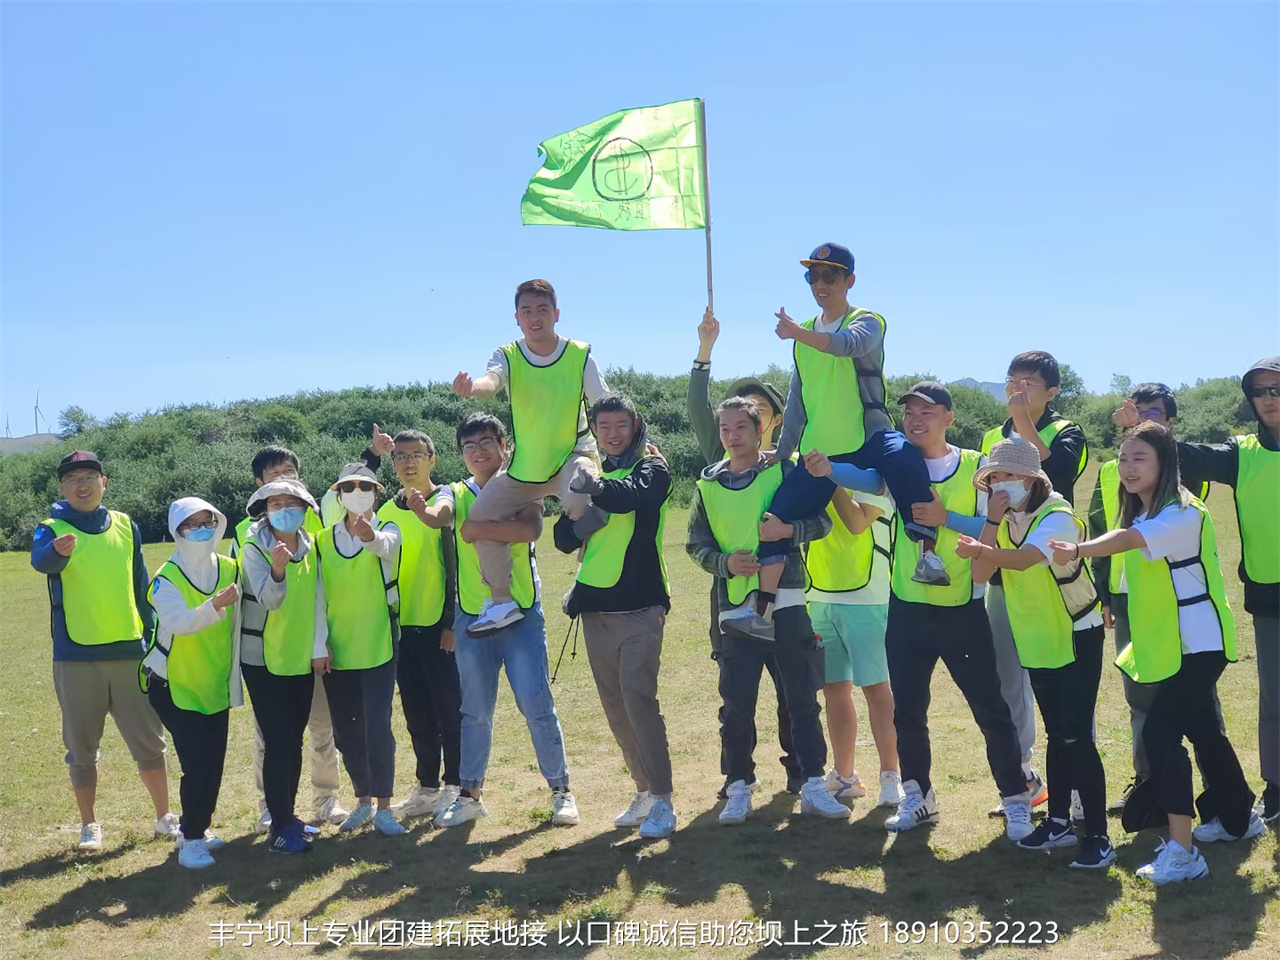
x: 756, y: 385
x: 78, y: 460
x: 831, y: 254
x: 930, y: 391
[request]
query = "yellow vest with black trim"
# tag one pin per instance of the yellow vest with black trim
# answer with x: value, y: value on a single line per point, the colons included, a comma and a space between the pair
x: 842, y: 562
x: 1258, y: 509
x: 1048, y: 433
x: 288, y: 633
x: 546, y: 410
x: 1154, y: 652
x: 472, y: 590
x: 198, y: 665
x: 735, y: 515
x: 829, y: 388
x: 357, y: 607
x: 311, y: 523
x: 1043, y: 626
x: 1109, y: 484
x: 606, y: 549
x: 419, y: 567
x: 959, y: 494
x: 97, y: 583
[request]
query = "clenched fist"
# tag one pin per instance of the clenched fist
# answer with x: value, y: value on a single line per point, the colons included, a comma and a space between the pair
x: 64, y: 544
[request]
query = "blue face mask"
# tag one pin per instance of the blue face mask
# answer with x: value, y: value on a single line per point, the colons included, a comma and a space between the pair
x: 287, y: 519
x: 199, y: 535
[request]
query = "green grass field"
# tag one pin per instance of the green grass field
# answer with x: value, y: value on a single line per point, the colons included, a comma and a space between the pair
x: 134, y: 901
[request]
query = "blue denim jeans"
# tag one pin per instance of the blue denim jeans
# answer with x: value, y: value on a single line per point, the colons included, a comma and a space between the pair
x: 522, y: 649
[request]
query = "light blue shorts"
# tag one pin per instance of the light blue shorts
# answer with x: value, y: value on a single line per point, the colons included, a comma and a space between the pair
x: 852, y: 638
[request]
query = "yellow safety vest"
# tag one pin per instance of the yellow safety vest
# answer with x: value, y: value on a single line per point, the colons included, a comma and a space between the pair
x: 97, y: 583
x: 288, y: 633
x: 1154, y: 651
x: 1048, y: 433
x: 735, y: 515
x: 420, y: 566
x: 1258, y: 509
x: 357, y: 606
x: 841, y: 561
x: 830, y: 390
x: 959, y: 494
x: 198, y: 665
x: 472, y: 590
x: 1043, y: 626
x: 606, y: 549
x: 546, y: 410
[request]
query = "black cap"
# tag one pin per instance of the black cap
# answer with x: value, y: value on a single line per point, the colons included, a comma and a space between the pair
x: 931, y: 391
x: 78, y: 460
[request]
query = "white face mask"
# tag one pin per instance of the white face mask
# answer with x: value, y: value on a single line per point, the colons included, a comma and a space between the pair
x: 358, y: 501
x: 1016, y: 490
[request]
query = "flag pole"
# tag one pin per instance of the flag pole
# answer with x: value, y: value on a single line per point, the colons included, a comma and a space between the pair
x: 706, y: 193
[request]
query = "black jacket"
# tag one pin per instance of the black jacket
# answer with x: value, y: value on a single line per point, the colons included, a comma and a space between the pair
x: 642, y: 492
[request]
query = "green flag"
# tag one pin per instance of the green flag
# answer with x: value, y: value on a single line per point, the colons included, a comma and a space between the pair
x: 638, y: 169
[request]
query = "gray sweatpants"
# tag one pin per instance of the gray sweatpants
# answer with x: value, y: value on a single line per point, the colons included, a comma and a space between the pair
x: 321, y: 752
x: 1266, y: 632
x: 87, y: 691
x: 1015, y: 682
x: 625, y: 651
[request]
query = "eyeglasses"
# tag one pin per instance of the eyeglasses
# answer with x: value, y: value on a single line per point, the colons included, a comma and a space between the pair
x: 1031, y: 381
x: 203, y: 525
x: 409, y: 457
x: 1259, y: 392
x: 821, y: 275
x: 364, y: 486
x: 484, y: 443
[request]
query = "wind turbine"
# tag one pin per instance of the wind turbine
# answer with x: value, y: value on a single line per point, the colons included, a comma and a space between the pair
x: 38, y: 414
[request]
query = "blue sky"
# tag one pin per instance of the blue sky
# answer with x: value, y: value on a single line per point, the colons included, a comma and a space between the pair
x: 207, y: 202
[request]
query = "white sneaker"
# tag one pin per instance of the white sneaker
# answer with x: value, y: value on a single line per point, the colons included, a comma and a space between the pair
x: 1215, y: 832
x: 495, y: 616
x: 385, y: 822
x: 90, y: 837
x: 738, y: 805
x: 264, y: 822
x: 1173, y: 863
x: 212, y: 840
x: 635, y: 814
x: 914, y: 809
x: 890, y: 789
x: 358, y: 817
x: 448, y: 793
x: 564, y: 809
x: 420, y: 802
x: 1017, y: 815
x: 843, y: 788
x: 168, y: 826
x: 195, y: 855
x: 817, y: 798
x: 660, y: 822
x: 460, y: 811
x: 329, y: 811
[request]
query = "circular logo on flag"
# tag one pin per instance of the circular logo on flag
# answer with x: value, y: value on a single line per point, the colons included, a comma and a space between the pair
x: 622, y: 170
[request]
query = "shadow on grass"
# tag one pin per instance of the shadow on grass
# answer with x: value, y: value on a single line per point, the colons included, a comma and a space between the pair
x: 61, y: 862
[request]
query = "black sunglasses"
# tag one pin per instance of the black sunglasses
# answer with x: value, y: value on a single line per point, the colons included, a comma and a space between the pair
x: 364, y: 485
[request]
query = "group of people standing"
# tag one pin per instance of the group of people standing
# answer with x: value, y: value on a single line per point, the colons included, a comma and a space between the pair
x: 844, y: 552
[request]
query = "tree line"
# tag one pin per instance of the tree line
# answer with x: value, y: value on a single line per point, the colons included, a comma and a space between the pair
x: 156, y: 457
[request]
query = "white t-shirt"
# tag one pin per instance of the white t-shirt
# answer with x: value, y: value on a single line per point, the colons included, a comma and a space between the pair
x: 877, y: 589
x: 593, y: 385
x: 943, y: 467
x: 1173, y: 535
x: 1059, y: 526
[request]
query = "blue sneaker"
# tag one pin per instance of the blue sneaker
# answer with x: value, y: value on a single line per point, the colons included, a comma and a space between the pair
x: 289, y: 840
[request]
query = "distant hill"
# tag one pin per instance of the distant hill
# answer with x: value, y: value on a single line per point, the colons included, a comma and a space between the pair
x: 28, y: 443
x: 995, y: 389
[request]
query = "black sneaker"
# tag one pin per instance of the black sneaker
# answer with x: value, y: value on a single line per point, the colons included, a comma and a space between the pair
x: 1116, y: 807
x: 1096, y: 853
x: 1268, y: 808
x: 1051, y: 833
